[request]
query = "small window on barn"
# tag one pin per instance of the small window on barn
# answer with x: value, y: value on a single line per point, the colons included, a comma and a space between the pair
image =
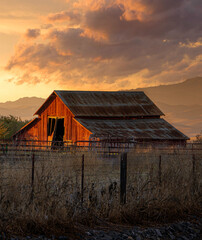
x: 51, y: 126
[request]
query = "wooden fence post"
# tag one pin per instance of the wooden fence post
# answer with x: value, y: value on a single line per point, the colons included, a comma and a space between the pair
x: 32, y: 179
x: 6, y: 147
x: 123, y: 177
x: 3, y: 149
x: 160, y: 172
x: 82, y: 179
x: 194, y: 172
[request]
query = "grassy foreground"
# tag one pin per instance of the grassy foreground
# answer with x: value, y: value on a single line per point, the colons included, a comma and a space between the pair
x: 51, y: 202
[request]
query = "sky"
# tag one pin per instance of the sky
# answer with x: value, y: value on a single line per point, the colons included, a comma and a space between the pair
x: 97, y: 44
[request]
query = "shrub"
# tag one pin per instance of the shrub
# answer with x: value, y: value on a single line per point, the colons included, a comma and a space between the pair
x: 9, y: 125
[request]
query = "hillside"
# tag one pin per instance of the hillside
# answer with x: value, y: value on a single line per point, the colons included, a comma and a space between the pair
x: 186, y: 93
x: 187, y: 119
x: 23, y: 107
x: 181, y: 104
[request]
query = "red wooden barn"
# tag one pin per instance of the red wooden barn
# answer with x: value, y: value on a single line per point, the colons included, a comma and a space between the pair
x: 96, y: 115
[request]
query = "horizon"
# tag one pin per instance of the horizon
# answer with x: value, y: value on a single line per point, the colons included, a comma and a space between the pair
x: 35, y: 96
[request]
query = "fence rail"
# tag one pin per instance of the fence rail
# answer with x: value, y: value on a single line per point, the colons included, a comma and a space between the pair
x: 106, y: 147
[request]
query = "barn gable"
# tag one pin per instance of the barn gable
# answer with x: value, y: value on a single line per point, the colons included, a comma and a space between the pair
x: 106, y: 104
x: 54, y: 108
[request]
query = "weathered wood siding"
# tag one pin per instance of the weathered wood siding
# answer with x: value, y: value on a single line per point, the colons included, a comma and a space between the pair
x: 31, y: 132
x: 74, y: 131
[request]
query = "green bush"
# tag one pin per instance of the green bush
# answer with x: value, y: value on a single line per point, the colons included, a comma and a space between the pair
x: 9, y: 125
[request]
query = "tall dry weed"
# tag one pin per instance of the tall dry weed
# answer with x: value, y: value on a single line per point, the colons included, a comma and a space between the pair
x: 53, y: 203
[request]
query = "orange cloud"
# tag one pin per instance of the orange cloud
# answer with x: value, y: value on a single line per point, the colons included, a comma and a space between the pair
x: 64, y: 16
x: 96, y: 35
x: 113, y: 43
x: 93, y: 5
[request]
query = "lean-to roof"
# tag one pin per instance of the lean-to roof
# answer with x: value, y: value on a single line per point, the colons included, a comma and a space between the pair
x: 156, y: 129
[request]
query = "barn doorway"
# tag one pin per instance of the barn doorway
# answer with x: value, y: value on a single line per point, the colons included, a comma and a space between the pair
x: 56, y: 132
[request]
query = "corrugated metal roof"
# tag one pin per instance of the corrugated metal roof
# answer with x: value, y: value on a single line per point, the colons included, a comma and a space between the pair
x: 157, y: 129
x: 108, y: 104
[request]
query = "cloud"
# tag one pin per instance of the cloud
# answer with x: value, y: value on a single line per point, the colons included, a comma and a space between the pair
x: 64, y: 16
x: 32, y: 33
x: 112, y: 43
x: 15, y: 16
x: 46, y: 26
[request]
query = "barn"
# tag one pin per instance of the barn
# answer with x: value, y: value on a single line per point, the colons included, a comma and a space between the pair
x: 82, y: 116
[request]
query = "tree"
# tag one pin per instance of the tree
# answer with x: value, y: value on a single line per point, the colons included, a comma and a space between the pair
x: 199, y: 138
x: 3, y: 131
x: 9, y: 125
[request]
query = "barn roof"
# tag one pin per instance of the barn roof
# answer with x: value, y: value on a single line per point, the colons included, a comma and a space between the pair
x: 157, y: 129
x: 107, y: 104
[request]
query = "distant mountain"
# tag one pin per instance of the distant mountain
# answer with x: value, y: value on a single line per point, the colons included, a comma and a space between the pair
x: 23, y: 107
x: 186, y: 93
x: 181, y: 104
x: 187, y: 119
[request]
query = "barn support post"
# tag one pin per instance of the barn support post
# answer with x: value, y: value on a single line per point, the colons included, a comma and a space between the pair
x: 123, y: 177
x: 194, y: 172
x: 109, y: 149
x: 32, y: 176
x: 160, y: 172
x: 82, y: 178
x: 3, y: 150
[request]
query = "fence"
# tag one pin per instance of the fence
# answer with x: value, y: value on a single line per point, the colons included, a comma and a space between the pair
x: 81, y: 176
x: 109, y: 146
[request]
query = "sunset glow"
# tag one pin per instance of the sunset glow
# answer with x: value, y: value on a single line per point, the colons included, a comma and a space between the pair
x: 97, y: 44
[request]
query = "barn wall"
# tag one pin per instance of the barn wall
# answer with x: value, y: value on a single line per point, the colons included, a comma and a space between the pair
x: 74, y: 131
x: 30, y: 133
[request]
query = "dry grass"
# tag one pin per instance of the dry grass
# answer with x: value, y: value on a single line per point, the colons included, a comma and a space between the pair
x: 55, y: 205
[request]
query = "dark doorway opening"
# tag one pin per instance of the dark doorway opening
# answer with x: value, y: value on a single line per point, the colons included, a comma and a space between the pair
x: 56, y: 132
x: 59, y: 130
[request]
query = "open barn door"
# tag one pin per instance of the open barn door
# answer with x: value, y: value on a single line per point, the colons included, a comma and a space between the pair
x: 56, y: 131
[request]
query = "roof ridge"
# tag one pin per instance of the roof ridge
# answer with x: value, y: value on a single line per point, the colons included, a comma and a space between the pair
x: 81, y: 91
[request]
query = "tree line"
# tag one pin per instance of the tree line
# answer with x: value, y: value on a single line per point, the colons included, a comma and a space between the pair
x: 9, y: 125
